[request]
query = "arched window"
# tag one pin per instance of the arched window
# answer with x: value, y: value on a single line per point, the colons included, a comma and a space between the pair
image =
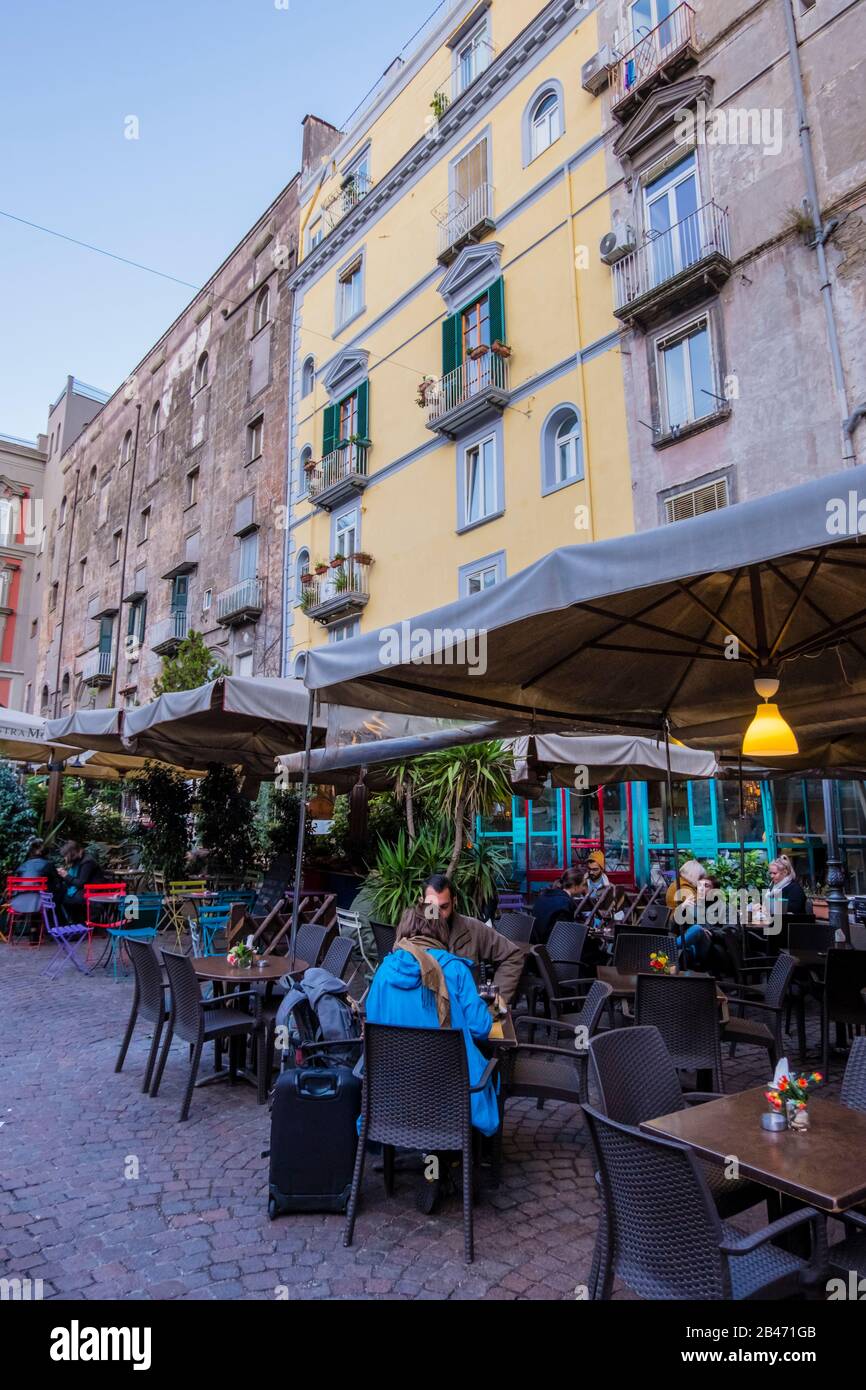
x: 546, y: 123
x: 154, y: 419
x: 91, y: 487
x: 63, y: 506
x: 561, y: 449
x: 302, y: 566
x: 308, y: 376
x: 263, y: 309
x: 304, y: 472
x: 43, y: 701
x: 201, y: 370
x: 543, y: 120
x: 299, y: 666
x: 64, y: 691
x: 126, y: 447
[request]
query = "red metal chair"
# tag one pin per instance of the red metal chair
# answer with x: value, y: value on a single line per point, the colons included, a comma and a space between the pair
x: 103, y: 908
x: 15, y: 884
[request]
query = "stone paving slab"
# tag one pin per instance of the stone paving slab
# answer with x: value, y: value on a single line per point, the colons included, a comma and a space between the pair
x: 104, y: 1194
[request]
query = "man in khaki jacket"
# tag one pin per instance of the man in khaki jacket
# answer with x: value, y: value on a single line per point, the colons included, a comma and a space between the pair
x: 475, y: 940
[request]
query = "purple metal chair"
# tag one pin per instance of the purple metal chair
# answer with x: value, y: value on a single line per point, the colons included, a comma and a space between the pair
x: 67, y: 939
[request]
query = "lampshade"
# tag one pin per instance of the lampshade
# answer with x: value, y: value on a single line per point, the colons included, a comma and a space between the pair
x: 768, y: 736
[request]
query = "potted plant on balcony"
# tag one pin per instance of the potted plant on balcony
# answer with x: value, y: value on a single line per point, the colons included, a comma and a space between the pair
x: 307, y: 600
x: 362, y: 558
x: 338, y: 561
x: 341, y: 582
x: 306, y: 578
x: 425, y: 386
x: 501, y: 349
x: 440, y: 103
x: 320, y: 568
x: 479, y: 351
x: 310, y: 466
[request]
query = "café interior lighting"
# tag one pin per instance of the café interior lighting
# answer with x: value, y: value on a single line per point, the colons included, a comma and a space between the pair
x: 769, y: 735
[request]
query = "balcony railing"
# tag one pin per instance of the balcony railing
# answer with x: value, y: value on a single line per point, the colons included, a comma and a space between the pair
x: 340, y: 592
x: 338, y: 476
x: 653, y: 51
x: 475, y: 388
x: 476, y: 61
x: 168, y: 633
x: 670, y: 260
x: 353, y: 191
x: 97, y: 668
x: 241, y: 603
x: 463, y: 219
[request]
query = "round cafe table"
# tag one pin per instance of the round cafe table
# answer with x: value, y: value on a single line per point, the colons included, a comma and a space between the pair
x: 218, y: 970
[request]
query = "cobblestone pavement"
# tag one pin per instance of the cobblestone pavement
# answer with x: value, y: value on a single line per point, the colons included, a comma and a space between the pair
x: 193, y: 1223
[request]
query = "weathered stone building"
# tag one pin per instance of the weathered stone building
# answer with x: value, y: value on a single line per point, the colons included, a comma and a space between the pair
x: 739, y: 277
x: 171, y: 499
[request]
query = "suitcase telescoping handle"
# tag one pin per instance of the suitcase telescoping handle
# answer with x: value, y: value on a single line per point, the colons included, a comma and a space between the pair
x: 319, y: 1084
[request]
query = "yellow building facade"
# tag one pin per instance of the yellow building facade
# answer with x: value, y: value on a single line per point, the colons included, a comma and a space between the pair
x: 456, y: 399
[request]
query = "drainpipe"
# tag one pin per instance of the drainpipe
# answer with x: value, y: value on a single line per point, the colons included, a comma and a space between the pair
x: 849, y: 421
x: 287, y: 546
x: 55, y: 777
x: 113, y: 696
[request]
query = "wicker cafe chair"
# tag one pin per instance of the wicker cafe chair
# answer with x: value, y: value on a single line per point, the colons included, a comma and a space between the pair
x: 632, y: 950
x: 656, y: 917
x: 560, y: 999
x: 664, y: 1238
x: 553, y: 1066
x: 198, y: 1021
x: 756, y: 1032
x: 844, y: 1002
x: 312, y: 942
x: 854, y: 1081
x: 337, y: 960
x: 685, y: 1010
x: 516, y: 927
x: 384, y: 937
x: 148, y: 1000
x: 565, y: 948
x: 416, y: 1096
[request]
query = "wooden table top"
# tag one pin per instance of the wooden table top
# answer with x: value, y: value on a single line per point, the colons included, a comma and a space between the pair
x: 502, y: 1033
x: 825, y: 1167
x: 218, y: 968
x: 619, y: 981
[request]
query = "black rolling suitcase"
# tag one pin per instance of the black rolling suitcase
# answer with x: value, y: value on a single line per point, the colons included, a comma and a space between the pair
x: 314, y: 1136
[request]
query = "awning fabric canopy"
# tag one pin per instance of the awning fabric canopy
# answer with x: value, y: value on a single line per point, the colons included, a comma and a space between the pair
x: 616, y: 635
x: 339, y: 765
x: 24, y: 737
x: 109, y: 767
x: 237, y: 720
x: 89, y: 729
x: 607, y: 758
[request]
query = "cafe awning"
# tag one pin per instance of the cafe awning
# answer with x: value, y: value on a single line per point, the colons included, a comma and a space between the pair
x: 619, y: 635
x: 25, y: 737
x: 89, y: 729
x: 606, y: 758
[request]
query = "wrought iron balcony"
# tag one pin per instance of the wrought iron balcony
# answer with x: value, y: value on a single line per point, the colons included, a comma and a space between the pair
x: 339, y: 476
x: 471, y: 392
x: 352, y: 191
x: 341, y: 592
x: 674, y: 267
x: 242, y: 603
x: 97, y: 668
x: 463, y: 220
x: 167, y: 635
x: 656, y: 56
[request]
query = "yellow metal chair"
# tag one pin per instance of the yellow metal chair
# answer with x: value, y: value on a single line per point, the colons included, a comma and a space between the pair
x: 180, y: 892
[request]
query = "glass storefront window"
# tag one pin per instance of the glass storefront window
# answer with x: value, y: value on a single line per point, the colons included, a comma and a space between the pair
x: 501, y: 822
x: 585, y: 825
x: 617, y: 829
x: 659, y: 814
x: 544, y: 831
x: 729, y: 810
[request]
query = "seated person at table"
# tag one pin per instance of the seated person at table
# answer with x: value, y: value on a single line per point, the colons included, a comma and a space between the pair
x: 80, y: 870
x: 474, y: 940
x: 686, y: 891
x: 785, y: 890
x: 422, y: 985
x: 556, y: 904
x: 697, y: 915
x: 36, y: 865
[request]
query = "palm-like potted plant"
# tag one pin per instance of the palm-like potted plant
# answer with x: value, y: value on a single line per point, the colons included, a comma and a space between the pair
x: 464, y: 783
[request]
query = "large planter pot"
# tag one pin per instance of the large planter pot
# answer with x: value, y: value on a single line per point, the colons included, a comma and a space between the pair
x: 820, y: 909
x: 477, y: 353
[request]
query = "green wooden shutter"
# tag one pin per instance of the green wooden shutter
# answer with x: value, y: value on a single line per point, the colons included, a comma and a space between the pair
x: 332, y: 429
x: 364, y: 410
x: 452, y: 344
x: 496, y: 302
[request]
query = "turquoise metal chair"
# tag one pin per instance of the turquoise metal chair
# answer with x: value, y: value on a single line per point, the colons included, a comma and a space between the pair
x: 212, y: 919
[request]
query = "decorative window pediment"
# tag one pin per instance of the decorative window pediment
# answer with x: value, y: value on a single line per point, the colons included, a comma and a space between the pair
x: 348, y: 370
x: 473, y: 272
x: 659, y: 112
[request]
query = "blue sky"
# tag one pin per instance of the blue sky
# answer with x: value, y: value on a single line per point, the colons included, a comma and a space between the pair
x: 220, y: 88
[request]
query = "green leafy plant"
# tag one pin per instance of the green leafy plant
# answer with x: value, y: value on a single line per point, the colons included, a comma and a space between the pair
x: 279, y: 829
x: 483, y: 868
x: 17, y: 821
x: 167, y: 802
x: 225, y: 821
x: 462, y: 783
x: 726, y: 871
x: 193, y: 664
x: 401, y: 869
x: 439, y: 105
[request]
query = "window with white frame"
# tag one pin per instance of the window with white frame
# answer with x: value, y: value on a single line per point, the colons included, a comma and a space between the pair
x: 116, y: 546
x: 344, y: 632
x: 7, y: 520
x: 63, y: 509
x: 308, y: 376
x: 562, y: 449
x: 154, y: 419
x: 545, y: 123
x: 126, y: 447
x: 206, y: 600
x: 249, y: 556
x: 263, y: 310
x: 316, y: 233
x: 201, y: 372
x: 350, y: 291
x: 192, y: 487
x: 304, y: 471
x: 255, y: 439
x: 144, y: 525
x: 302, y: 566
x: 480, y: 489
x: 475, y: 579
x: 686, y: 373
x: 472, y: 57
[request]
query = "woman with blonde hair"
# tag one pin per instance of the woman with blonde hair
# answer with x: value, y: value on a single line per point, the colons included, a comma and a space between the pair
x: 785, y: 890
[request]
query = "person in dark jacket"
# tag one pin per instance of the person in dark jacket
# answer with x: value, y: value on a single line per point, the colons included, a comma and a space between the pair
x: 36, y: 865
x: 785, y: 888
x: 80, y: 870
x: 556, y: 904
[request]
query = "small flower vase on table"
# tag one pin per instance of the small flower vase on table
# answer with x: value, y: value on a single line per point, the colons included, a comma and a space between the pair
x: 788, y: 1099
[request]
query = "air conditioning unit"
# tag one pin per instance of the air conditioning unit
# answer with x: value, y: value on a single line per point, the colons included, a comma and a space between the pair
x: 595, y: 74
x: 617, y: 243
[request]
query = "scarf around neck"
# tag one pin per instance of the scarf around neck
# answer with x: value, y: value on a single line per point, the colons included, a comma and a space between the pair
x: 432, y: 975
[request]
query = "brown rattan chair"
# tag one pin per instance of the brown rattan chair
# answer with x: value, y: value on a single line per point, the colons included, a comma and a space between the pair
x: 565, y: 948
x: 337, y: 960
x: 632, y: 950
x: 754, y: 1031
x: 198, y: 1021
x: 384, y: 937
x: 844, y: 1002
x: 148, y: 1000
x: 854, y: 1081
x: 516, y: 927
x: 416, y: 1096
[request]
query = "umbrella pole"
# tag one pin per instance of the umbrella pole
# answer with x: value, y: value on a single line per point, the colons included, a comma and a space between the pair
x: 837, y: 902
x: 741, y: 825
x: 673, y: 812
x: 302, y: 824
